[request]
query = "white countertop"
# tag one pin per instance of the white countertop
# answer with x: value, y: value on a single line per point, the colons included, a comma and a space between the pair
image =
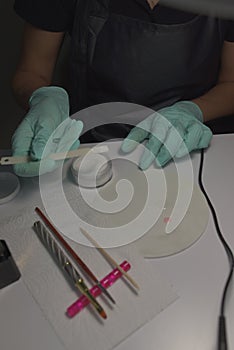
x: 198, y: 274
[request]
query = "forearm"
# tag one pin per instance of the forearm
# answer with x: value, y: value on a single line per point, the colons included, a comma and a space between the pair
x: 37, y: 61
x: 23, y: 85
x: 218, y: 102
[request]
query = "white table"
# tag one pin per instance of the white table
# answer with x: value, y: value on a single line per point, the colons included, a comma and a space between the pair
x: 198, y: 275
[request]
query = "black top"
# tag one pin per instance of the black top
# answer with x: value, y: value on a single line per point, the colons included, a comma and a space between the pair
x: 57, y: 15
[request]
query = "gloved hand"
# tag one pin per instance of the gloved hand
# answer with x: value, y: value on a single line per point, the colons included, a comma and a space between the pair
x: 48, y: 114
x: 171, y: 132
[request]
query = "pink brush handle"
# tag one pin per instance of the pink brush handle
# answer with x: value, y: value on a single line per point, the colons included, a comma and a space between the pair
x: 106, y: 282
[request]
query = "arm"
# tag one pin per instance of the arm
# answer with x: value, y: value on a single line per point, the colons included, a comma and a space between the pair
x: 219, y: 101
x: 37, y: 61
x: 48, y: 109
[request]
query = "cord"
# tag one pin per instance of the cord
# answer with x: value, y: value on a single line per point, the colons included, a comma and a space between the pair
x: 222, y: 334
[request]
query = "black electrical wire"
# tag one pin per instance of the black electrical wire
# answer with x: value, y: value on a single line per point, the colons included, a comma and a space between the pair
x: 222, y: 336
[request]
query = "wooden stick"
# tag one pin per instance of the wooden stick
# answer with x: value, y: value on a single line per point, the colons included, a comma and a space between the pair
x: 81, y: 151
x: 109, y: 258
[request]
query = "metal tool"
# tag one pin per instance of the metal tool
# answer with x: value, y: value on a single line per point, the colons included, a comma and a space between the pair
x: 66, y: 264
x: 72, y: 253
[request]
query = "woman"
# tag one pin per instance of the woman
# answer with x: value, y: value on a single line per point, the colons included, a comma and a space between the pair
x: 139, y: 51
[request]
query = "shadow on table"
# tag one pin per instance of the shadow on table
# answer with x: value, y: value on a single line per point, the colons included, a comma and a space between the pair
x: 224, y: 125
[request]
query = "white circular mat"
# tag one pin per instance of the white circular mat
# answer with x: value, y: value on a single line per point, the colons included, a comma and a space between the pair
x: 155, y: 242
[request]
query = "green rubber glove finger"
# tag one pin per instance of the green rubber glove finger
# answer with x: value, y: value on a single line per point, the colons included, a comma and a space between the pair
x: 49, y: 106
x: 23, y: 149
x: 191, y: 140
x: 185, y: 118
x: 206, y: 138
x: 174, y: 139
x: 198, y: 136
x: 35, y: 168
x: 44, y: 102
x: 46, y: 128
x: 137, y: 135
x: 75, y: 145
x: 62, y: 138
x: 152, y: 148
x: 71, y: 134
x: 47, y: 140
x: 158, y: 134
x: 66, y: 136
x: 22, y: 139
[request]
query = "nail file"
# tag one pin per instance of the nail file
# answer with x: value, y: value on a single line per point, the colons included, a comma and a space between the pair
x: 55, y: 156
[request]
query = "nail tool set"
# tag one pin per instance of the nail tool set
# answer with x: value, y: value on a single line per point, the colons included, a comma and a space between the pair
x: 70, y: 263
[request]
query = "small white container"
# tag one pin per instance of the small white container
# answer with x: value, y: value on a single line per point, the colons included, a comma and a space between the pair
x: 9, y: 186
x: 92, y: 170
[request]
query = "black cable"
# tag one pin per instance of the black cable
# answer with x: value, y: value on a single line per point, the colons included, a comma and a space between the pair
x: 222, y: 337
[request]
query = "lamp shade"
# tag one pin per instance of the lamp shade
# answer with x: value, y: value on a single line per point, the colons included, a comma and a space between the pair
x: 217, y: 8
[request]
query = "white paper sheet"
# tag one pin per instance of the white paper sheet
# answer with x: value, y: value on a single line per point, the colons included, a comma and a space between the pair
x: 53, y: 294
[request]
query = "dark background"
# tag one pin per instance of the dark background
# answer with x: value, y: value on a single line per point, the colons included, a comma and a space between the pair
x: 11, y: 28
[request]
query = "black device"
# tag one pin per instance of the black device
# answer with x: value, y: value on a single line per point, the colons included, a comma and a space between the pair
x: 9, y: 271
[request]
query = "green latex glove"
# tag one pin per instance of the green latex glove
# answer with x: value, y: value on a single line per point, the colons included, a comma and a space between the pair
x: 171, y: 132
x: 48, y: 115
